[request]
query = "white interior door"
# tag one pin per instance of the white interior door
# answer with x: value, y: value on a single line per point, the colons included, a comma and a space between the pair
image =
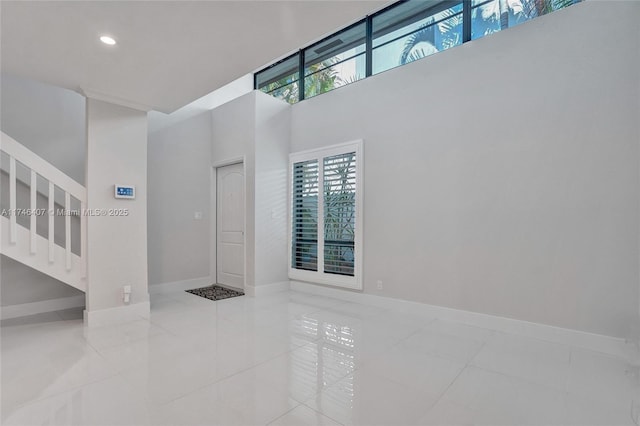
x: 230, y: 225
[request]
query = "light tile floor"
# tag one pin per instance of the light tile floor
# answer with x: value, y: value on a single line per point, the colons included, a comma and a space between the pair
x: 298, y: 359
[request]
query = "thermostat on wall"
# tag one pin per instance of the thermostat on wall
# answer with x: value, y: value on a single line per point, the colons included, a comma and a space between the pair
x: 125, y: 191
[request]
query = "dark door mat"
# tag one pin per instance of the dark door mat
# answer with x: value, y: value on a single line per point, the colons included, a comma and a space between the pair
x: 215, y: 292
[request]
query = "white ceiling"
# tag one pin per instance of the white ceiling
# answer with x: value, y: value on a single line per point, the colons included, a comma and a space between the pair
x: 169, y: 53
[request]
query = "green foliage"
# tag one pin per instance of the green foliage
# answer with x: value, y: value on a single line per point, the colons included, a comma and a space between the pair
x: 497, y: 15
x: 285, y: 88
x: 533, y: 8
x: 422, y: 43
x: 450, y: 28
x: 322, y: 78
x: 426, y: 36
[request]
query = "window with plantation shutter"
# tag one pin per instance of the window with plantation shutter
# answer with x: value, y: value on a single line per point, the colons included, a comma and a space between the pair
x: 326, y: 215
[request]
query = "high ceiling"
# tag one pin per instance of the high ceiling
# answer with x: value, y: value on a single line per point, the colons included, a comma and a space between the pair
x: 169, y: 53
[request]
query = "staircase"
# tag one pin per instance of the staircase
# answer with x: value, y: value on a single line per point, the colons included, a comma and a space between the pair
x: 43, y: 215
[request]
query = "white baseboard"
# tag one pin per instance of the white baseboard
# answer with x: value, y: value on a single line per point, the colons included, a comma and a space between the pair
x: 33, y: 308
x: 117, y: 315
x: 596, y: 342
x: 179, y: 285
x: 266, y: 289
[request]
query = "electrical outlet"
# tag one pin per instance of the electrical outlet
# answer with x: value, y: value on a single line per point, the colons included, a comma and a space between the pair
x: 126, y: 294
x: 379, y: 284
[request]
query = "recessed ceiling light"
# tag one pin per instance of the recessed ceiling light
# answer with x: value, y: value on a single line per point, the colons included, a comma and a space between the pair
x: 107, y: 40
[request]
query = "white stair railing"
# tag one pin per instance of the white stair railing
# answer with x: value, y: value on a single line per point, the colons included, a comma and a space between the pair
x: 26, y: 246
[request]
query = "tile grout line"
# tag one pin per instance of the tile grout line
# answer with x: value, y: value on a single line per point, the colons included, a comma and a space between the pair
x: 467, y: 364
x: 244, y: 370
x: 282, y: 415
x: 320, y: 412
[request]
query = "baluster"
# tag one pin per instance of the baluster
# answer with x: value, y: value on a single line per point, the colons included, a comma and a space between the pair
x: 51, y: 222
x: 33, y: 218
x: 83, y: 238
x: 67, y: 229
x: 13, y: 230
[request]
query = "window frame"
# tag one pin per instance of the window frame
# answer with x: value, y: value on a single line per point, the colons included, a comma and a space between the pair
x: 354, y: 282
x: 430, y: 8
x: 256, y: 76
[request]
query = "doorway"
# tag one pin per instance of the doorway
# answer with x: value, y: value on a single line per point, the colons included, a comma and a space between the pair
x: 230, y: 225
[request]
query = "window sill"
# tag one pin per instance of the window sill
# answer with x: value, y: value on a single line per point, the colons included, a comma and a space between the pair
x: 343, y: 281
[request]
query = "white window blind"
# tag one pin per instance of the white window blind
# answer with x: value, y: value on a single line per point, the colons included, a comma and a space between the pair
x: 305, y: 216
x: 326, y: 217
x: 339, y: 213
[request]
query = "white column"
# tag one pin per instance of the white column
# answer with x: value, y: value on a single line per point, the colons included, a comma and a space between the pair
x: 116, y: 244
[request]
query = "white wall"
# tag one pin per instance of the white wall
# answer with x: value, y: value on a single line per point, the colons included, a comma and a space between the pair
x: 233, y: 137
x: 220, y: 96
x: 48, y: 120
x: 272, y: 144
x: 179, y: 163
x: 256, y: 127
x: 21, y: 284
x: 502, y: 175
x: 117, y: 246
x: 233, y: 127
